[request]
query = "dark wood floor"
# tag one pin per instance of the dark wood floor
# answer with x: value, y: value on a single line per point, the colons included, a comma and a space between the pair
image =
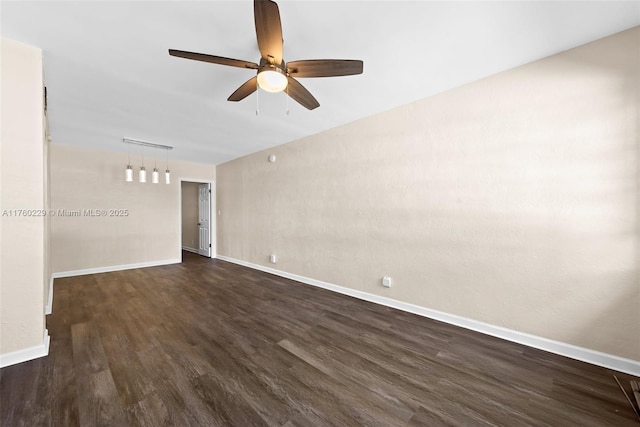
x: 211, y: 343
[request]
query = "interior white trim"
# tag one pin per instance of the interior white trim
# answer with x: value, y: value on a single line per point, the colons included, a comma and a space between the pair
x: 26, y: 354
x: 188, y: 249
x: 580, y: 353
x: 110, y: 268
x: 212, y: 212
x: 49, y: 307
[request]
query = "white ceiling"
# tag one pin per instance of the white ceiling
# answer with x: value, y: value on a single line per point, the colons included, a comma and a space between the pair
x: 109, y: 75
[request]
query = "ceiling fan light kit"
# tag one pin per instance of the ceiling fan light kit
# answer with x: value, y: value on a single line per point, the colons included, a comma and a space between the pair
x: 273, y: 74
x: 272, y: 79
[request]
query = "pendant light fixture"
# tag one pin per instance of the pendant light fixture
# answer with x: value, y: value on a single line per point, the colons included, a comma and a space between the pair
x: 167, y: 174
x: 155, y: 174
x: 142, y: 174
x: 128, y: 176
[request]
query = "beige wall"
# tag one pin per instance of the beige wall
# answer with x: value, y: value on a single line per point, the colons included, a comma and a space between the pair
x: 511, y: 201
x: 190, y: 229
x: 22, y: 181
x: 83, y: 178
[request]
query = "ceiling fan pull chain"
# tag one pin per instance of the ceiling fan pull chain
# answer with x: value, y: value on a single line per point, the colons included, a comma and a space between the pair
x: 257, y: 102
x: 287, y: 100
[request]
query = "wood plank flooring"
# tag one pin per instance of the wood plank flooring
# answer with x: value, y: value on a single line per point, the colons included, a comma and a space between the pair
x: 209, y: 343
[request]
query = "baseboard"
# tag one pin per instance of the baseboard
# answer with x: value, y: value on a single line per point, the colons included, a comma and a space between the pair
x: 579, y: 353
x: 27, y: 354
x: 195, y: 251
x: 49, y: 308
x: 111, y: 268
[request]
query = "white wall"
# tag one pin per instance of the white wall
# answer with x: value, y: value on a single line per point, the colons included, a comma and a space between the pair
x: 83, y: 178
x: 511, y: 201
x: 22, y: 181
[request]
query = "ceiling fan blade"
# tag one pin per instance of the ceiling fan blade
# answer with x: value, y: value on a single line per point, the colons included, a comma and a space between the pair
x: 213, y: 59
x: 325, y: 67
x: 245, y: 90
x: 301, y: 95
x: 268, y: 30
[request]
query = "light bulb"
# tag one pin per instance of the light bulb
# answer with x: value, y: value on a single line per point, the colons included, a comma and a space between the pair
x: 272, y: 80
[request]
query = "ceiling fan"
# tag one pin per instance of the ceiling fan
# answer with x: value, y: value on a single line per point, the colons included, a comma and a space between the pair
x: 273, y: 74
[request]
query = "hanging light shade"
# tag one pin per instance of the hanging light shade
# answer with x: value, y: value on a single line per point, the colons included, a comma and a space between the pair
x: 128, y: 174
x: 155, y: 175
x: 167, y: 174
x: 142, y: 175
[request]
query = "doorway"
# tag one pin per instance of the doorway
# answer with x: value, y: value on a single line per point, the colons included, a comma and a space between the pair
x: 197, y: 224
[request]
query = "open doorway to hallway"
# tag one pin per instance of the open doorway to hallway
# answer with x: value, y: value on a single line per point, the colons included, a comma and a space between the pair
x: 197, y: 223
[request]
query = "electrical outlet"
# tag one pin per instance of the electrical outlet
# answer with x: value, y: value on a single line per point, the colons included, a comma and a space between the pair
x: 273, y: 259
x: 386, y: 281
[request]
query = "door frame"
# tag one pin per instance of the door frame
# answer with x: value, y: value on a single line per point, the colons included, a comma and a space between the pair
x: 212, y: 209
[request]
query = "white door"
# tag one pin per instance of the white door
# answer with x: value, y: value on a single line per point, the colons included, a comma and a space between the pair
x: 204, y: 219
